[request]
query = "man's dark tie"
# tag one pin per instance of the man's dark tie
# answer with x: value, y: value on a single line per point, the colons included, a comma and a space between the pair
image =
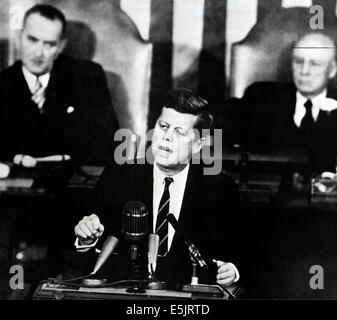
x: 307, y: 121
x: 162, y: 223
x: 308, y: 129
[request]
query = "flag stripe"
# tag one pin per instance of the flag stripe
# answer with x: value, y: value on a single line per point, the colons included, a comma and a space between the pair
x: 189, y: 49
x: 161, y: 67
x: 188, y: 24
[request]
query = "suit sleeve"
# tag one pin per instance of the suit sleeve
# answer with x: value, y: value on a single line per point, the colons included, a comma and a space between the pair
x: 7, y: 137
x: 107, y: 201
x: 107, y: 119
x: 231, y: 228
x: 238, y: 118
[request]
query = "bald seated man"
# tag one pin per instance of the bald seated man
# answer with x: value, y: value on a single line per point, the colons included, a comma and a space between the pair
x: 297, y: 114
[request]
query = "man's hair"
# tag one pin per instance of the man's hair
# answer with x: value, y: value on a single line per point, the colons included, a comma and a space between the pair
x: 48, y: 12
x: 324, y: 34
x: 185, y: 101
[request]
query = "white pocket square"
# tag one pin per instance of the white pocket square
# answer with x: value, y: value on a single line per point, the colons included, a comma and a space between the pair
x: 70, y: 109
x: 329, y: 104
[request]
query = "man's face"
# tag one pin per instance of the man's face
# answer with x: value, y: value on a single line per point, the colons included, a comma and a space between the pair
x: 174, y: 140
x: 313, y: 64
x: 41, y: 43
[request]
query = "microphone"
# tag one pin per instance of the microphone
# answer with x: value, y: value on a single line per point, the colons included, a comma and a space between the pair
x: 152, y: 253
x: 134, y: 225
x: 192, y: 249
x: 134, y: 222
x: 134, y: 231
x: 234, y: 291
x: 108, y: 248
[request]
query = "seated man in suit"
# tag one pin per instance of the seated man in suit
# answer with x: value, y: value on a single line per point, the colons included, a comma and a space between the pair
x: 206, y: 206
x: 297, y: 115
x: 50, y: 103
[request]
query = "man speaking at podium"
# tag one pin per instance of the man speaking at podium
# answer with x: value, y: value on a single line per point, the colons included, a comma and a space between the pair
x: 204, y: 205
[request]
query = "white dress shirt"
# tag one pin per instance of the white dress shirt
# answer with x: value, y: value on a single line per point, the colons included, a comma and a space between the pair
x: 176, y: 189
x: 31, y: 79
x: 300, y: 108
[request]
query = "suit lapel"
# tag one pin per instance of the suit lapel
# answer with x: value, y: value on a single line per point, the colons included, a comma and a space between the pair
x: 290, y: 102
x: 149, y: 193
x: 186, y: 213
x: 331, y: 93
x: 58, y: 92
x: 289, y: 130
x: 22, y: 86
x: 191, y: 184
x: 282, y: 114
x: 22, y: 83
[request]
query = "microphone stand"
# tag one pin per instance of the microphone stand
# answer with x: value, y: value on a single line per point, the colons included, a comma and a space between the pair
x: 194, y: 286
x: 134, y: 229
x: 154, y: 283
x: 232, y: 292
x: 135, y: 272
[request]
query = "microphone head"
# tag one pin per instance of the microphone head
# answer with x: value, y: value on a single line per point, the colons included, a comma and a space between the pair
x: 134, y: 222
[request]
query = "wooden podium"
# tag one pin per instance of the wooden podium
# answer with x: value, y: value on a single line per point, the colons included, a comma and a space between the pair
x: 48, y: 290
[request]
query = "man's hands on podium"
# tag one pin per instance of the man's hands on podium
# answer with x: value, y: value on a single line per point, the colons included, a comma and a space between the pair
x: 88, y: 230
x: 227, y: 273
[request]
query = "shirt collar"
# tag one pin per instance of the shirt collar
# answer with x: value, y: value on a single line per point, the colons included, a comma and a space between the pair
x: 316, y: 101
x: 178, y: 178
x: 31, y: 78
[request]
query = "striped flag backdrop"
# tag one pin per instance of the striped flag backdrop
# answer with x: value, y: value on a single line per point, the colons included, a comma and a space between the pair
x: 189, y: 45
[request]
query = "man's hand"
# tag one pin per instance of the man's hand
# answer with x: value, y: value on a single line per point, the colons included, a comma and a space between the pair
x: 25, y: 160
x: 226, y: 273
x: 89, y: 229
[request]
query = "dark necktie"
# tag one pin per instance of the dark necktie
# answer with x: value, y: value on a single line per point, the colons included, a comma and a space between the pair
x: 162, y: 223
x: 307, y: 121
x: 309, y: 135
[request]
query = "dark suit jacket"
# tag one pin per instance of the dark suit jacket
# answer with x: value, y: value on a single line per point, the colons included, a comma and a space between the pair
x: 266, y: 122
x: 86, y: 133
x: 209, y: 215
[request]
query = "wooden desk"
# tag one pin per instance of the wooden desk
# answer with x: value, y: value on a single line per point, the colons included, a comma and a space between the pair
x: 38, y: 211
x: 275, y: 156
x: 48, y: 183
x: 49, y: 290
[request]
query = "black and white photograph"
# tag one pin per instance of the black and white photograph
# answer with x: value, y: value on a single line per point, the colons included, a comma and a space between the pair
x: 170, y: 156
